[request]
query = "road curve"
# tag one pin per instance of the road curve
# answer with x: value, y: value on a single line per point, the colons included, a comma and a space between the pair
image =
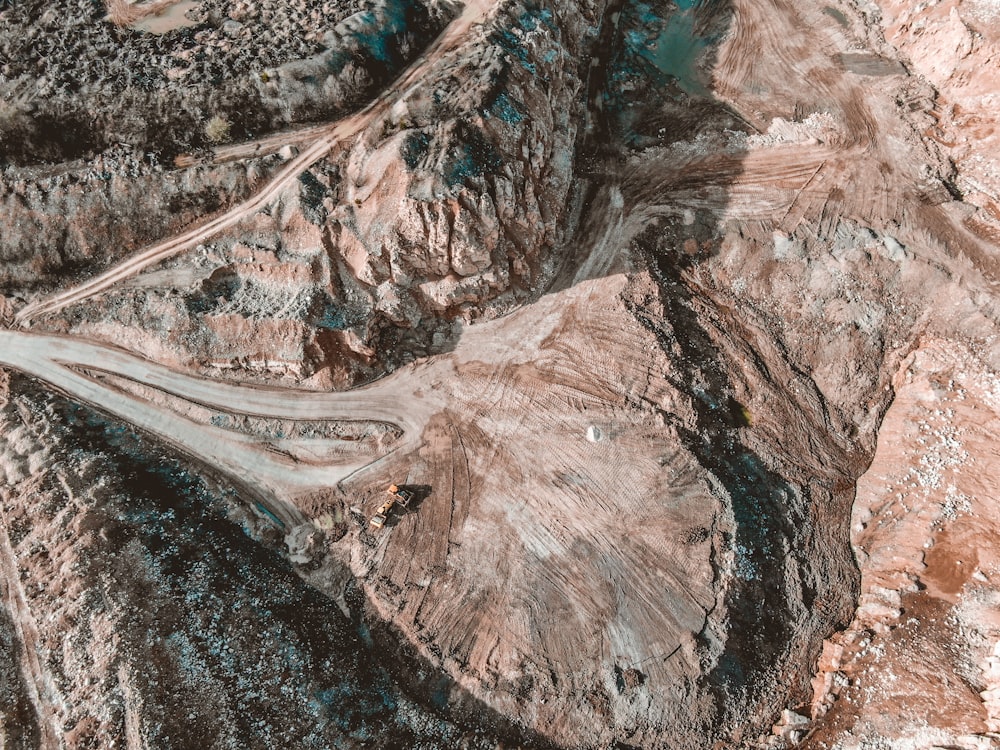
x: 258, y: 463
x: 380, y: 401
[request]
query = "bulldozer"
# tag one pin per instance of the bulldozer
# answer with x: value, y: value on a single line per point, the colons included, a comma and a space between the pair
x: 398, y: 497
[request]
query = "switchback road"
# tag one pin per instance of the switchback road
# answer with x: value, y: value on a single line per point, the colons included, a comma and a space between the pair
x: 274, y: 467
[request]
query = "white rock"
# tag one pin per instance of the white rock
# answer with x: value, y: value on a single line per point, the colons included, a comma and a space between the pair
x: 792, y: 718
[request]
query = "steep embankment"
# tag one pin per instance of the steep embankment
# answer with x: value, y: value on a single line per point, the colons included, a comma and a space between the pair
x: 449, y: 206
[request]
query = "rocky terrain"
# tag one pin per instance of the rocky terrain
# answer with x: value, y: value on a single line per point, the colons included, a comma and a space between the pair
x: 235, y: 70
x: 168, y: 619
x: 679, y: 319
x: 917, y: 663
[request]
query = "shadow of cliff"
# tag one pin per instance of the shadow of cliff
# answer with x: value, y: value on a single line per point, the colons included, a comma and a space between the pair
x: 763, y: 606
x: 653, y: 89
x: 630, y: 119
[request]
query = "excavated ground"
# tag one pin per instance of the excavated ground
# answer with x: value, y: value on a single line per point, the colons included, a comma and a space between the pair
x: 649, y: 277
x: 921, y: 649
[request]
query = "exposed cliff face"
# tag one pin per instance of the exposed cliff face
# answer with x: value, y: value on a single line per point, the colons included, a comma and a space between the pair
x: 924, y: 632
x: 951, y: 46
x: 456, y: 202
x: 918, y: 663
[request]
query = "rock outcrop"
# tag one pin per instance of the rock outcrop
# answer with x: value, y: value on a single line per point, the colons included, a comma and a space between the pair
x: 73, y: 83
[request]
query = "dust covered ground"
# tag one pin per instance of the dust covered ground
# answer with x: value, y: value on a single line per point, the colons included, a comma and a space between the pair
x: 678, y: 319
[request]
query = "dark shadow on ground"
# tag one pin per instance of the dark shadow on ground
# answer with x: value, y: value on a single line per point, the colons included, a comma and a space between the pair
x: 651, y: 89
x: 763, y: 609
x: 214, y: 624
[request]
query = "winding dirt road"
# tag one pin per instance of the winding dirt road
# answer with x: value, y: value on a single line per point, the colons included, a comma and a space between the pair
x: 475, y: 12
x: 274, y: 468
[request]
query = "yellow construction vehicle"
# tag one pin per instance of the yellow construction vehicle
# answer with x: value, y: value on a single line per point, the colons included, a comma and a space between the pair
x: 396, y: 497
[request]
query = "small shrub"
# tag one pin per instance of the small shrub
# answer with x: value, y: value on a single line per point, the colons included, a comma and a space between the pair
x: 217, y: 129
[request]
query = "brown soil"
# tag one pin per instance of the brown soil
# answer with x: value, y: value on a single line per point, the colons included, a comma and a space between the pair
x: 675, y: 360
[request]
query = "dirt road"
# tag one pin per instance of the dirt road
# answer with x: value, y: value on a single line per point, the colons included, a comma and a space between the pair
x: 474, y: 423
x: 587, y: 545
x: 274, y: 468
x: 332, y: 134
x: 256, y: 148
